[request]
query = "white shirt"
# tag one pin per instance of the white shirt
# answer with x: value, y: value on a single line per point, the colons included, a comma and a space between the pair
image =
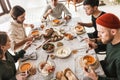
x: 57, y: 10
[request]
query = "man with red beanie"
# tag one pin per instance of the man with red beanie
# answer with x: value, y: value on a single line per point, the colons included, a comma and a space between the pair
x: 108, y: 26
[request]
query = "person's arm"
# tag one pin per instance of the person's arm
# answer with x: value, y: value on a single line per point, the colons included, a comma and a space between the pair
x: 21, y: 43
x: 18, y: 55
x: 20, y: 76
x: 67, y: 13
x: 21, y: 53
x: 47, y: 11
x: 85, y: 24
x: 96, y: 40
x: 90, y: 73
x: 117, y: 70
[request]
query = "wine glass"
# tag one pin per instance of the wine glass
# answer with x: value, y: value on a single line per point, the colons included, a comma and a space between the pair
x: 46, y: 72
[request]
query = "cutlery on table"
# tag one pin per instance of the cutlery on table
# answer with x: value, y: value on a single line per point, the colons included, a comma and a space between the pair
x: 42, y: 44
x: 47, y: 58
x: 32, y: 56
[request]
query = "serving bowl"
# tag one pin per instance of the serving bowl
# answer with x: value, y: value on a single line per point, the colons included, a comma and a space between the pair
x: 25, y: 67
x: 90, y: 60
x: 48, y: 47
x: 62, y: 52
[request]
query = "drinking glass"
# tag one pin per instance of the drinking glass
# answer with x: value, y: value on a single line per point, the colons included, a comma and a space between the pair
x: 50, y: 75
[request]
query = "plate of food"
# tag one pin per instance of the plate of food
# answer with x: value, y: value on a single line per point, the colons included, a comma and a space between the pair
x: 62, y: 52
x: 68, y: 36
x: 56, y: 22
x: 79, y: 29
x: 35, y: 33
x: 46, y: 68
x: 66, y: 74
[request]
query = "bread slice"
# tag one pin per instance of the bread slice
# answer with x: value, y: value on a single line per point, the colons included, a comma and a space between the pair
x: 70, y: 75
x: 60, y: 76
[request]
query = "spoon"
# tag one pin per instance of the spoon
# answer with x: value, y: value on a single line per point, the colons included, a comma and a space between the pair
x: 47, y: 58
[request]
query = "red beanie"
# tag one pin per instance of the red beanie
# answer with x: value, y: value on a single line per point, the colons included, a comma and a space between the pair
x: 109, y: 20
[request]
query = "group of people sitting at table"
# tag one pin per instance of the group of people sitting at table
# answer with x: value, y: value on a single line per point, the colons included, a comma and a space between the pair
x: 107, y: 31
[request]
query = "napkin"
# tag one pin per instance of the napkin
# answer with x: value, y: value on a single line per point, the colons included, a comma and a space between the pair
x: 32, y: 56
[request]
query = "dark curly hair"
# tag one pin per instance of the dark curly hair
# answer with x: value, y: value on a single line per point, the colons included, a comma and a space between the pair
x: 16, y: 11
x: 91, y: 2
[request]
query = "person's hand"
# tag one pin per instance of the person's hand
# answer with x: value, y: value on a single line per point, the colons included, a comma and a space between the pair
x: 21, y: 76
x: 67, y: 18
x: 49, y: 11
x: 31, y: 38
x: 80, y: 23
x: 90, y: 73
x: 27, y: 45
x: 31, y: 25
x: 43, y: 20
x: 91, y: 43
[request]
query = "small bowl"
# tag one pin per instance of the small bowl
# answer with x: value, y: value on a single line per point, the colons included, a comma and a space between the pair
x: 48, y: 47
x: 89, y: 60
x: 25, y: 67
x: 79, y: 30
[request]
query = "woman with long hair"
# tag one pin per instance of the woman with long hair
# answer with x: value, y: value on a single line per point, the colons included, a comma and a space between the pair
x: 7, y: 61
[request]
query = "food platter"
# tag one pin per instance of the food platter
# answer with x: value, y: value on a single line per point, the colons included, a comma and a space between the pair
x: 53, y: 35
x: 62, y: 52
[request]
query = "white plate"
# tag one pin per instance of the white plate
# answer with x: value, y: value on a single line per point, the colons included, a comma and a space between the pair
x: 62, y: 52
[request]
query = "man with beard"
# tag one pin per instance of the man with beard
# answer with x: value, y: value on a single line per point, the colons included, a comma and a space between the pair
x: 108, y: 26
x: 17, y: 31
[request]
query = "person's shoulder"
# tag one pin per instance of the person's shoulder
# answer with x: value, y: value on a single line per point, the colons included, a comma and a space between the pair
x: 103, y: 12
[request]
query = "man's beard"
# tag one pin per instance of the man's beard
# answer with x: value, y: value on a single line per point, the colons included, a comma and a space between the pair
x: 19, y: 22
x: 109, y: 41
